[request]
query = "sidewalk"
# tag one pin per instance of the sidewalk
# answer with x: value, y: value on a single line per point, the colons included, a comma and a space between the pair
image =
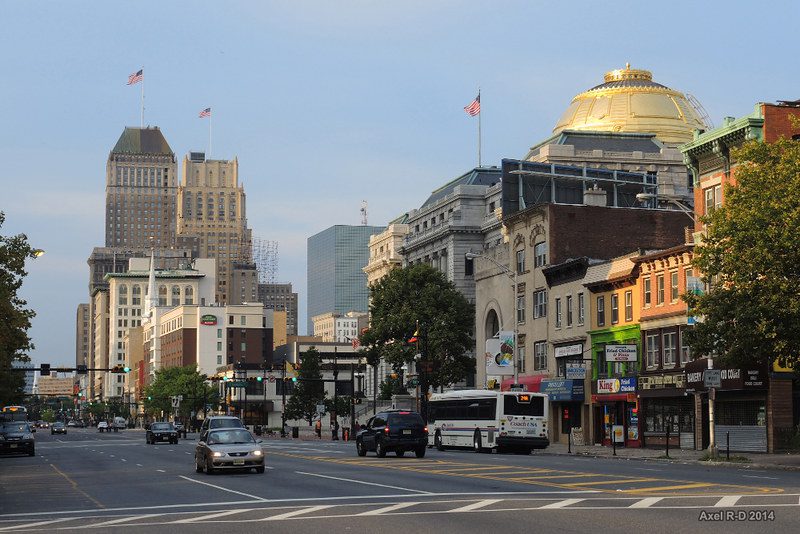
x: 785, y: 461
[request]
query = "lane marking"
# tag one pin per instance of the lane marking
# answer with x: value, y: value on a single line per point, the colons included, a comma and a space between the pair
x: 728, y: 500
x: 121, y: 520
x: 756, y: 476
x: 386, y: 509
x: 682, y: 486
x: 646, y: 503
x: 476, y: 505
x: 123, y: 459
x: 160, y: 470
x: 212, y: 516
x: 76, y: 487
x: 288, y: 515
x: 37, y: 524
x: 256, y: 497
x: 560, y: 504
x: 140, y: 465
x: 362, y: 482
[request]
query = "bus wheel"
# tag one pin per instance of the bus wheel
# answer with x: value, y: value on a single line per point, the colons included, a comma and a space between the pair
x: 437, y: 441
x: 476, y: 442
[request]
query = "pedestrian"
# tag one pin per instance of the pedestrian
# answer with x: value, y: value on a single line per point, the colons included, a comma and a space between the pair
x: 318, y: 428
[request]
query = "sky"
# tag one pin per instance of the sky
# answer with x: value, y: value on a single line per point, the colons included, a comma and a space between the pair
x: 327, y: 103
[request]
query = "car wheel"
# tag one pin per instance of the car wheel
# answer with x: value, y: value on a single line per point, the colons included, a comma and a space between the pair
x: 437, y: 441
x: 476, y: 442
x: 400, y: 453
x: 198, y: 467
x: 260, y: 470
x: 360, y: 449
x: 380, y: 449
x: 209, y: 467
x: 420, y: 452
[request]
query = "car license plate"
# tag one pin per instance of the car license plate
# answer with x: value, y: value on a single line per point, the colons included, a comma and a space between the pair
x: 13, y: 445
x: 238, y: 462
x: 406, y: 431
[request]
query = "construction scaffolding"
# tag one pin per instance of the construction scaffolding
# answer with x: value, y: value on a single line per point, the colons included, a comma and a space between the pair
x: 265, y: 256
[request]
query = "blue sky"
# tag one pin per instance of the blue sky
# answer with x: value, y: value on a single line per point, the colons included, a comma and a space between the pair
x: 327, y: 103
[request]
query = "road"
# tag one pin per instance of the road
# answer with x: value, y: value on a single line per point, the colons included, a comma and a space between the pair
x: 88, y: 480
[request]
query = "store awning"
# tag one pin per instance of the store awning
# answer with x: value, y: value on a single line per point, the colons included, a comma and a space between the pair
x: 613, y: 397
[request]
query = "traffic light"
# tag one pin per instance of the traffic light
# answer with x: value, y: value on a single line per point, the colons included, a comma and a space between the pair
x: 149, y: 397
x: 294, y: 379
x: 126, y: 369
x: 635, y: 409
x: 44, y: 369
x: 119, y: 368
x: 259, y: 379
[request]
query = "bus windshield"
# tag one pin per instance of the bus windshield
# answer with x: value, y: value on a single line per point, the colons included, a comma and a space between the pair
x: 532, y: 405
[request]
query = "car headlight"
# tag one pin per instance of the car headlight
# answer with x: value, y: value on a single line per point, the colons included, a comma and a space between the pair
x: 217, y: 455
x: 257, y: 453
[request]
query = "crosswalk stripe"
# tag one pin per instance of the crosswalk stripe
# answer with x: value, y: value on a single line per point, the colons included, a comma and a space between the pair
x: 386, y: 509
x: 728, y: 500
x: 561, y: 504
x: 212, y: 516
x: 122, y: 520
x: 37, y: 524
x: 302, y: 511
x: 646, y: 503
x: 476, y: 505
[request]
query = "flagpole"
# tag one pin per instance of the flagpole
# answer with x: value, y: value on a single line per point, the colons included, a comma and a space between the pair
x: 479, y: 128
x: 209, y: 138
x: 142, y: 123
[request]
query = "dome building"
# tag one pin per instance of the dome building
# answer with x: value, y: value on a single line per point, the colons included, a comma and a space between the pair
x: 630, y: 101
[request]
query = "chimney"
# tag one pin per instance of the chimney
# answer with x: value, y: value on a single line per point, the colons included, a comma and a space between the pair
x: 595, y: 196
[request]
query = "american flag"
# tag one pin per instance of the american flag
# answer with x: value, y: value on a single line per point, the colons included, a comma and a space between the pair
x: 356, y: 343
x: 474, y: 107
x: 136, y: 77
x: 205, y: 113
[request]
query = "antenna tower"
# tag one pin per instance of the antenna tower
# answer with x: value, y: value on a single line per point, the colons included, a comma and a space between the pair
x: 265, y: 256
x: 363, y: 213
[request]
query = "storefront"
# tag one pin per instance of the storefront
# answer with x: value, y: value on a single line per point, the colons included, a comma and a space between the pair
x: 616, y: 412
x: 667, y: 411
x: 566, y: 400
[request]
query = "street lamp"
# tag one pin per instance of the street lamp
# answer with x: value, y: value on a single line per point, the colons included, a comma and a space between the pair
x: 511, y: 273
x: 675, y: 200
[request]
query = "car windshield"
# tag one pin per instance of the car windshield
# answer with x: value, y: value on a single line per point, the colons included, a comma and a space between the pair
x: 15, y: 427
x: 233, y: 422
x: 58, y: 424
x: 161, y: 426
x: 228, y: 437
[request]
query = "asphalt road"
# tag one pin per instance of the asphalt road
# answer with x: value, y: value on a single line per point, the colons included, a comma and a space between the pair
x: 110, y: 481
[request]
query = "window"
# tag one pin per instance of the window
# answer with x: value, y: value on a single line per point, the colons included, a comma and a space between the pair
x: 653, y: 350
x: 520, y: 261
x: 540, y: 355
x: 615, y: 308
x: 123, y: 295
x: 521, y: 359
x: 581, y: 309
x: 469, y: 266
x: 219, y: 333
x: 539, y: 304
x: 230, y: 319
x: 188, y: 295
x: 243, y: 320
x: 136, y: 298
x: 660, y: 289
x: 717, y: 196
x: 670, y: 347
x: 521, y: 309
x: 686, y: 350
x: 647, y: 292
x: 244, y: 346
x: 708, y: 195
x: 558, y: 313
x: 601, y: 311
x: 162, y: 295
x: 569, y: 310
x: 219, y: 359
x: 540, y: 254
x: 176, y: 296
x: 629, y: 306
x: 219, y: 345
x: 673, y: 286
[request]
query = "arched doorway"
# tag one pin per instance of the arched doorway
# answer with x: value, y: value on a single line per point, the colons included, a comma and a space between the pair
x: 492, y: 324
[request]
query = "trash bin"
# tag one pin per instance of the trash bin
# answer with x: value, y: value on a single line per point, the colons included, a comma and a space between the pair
x: 295, y: 431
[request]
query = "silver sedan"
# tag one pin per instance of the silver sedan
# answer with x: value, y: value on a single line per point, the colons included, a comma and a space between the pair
x: 228, y: 448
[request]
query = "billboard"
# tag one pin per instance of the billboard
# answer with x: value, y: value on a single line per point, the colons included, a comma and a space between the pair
x: 500, y: 355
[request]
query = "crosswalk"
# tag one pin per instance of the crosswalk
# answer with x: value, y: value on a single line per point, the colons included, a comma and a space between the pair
x: 417, y: 505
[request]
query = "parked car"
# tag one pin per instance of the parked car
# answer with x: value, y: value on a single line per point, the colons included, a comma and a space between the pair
x: 73, y: 424
x: 161, y: 432
x: 119, y: 423
x: 228, y: 448
x: 102, y: 426
x: 220, y: 421
x: 58, y: 428
x: 17, y: 436
x: 393, y: 430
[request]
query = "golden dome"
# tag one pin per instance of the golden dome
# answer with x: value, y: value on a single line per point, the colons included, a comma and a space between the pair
x: 630, y: 101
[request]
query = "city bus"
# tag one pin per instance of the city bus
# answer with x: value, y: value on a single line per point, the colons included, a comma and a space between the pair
x: 14, y: 413
x: 484, y: 420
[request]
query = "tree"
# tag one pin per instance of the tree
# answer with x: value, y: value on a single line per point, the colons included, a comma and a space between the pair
x: 420, y: 297
x: 308, y: 390
x: 173, y: 381
x: 392, y: 386
x: 751, y: 255
x: 15, y: 319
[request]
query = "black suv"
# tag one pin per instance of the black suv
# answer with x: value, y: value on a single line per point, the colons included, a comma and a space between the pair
x: 16, y: 436
x: 395, y: 430
x: 161, y: 432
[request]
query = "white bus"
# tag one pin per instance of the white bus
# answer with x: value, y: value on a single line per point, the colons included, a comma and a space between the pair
x: 486, y: 420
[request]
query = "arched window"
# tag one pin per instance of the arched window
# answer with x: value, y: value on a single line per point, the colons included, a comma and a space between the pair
x: 162, y: 295
x: 176, y: 296
x: 123, y: 295
x: 492, y: 324
x: 136, y: 295
x: 188, y: 295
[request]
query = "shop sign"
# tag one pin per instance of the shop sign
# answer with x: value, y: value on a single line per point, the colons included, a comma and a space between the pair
x: 569, y: 350
x: 620, y: 353
x: 575, y: 371
x: 208, y: 320
x: 563, y: 390
x: 499, y: 355
x: 616, y: 385
x: 662, y: 381
x: 697, y: 373
x: 618, y: 431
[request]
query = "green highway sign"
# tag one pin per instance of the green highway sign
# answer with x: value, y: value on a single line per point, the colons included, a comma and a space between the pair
x: 237, y: 384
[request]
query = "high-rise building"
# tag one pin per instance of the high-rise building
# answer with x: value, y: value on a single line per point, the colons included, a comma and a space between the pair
x: 141, y: 188
x: 212, y: 208
x: 30, y: 374
x: 83, y: 338
x: 279, y: 297
x: 336, y: 280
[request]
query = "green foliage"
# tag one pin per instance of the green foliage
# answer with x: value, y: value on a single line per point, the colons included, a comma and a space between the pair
x: 751, y: 253
x: 174, y: 381
x: 308, y: 391
x: 47, y: 415
x: 419, y: 294
x: 342, y: 406
x: 392, y: 386
x: 15, y: 319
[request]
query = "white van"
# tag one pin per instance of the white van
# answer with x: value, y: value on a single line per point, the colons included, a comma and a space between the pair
x: 119, y: 423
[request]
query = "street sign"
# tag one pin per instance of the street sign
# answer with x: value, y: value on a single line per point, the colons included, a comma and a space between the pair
x: 575, y: 371
x: 237, y: 384
x: 712, y: 378
x: 176, y: 402
x: 517, y: 387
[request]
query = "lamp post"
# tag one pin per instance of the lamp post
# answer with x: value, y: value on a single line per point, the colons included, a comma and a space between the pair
x: 675, y: 200
x: 511, y: 273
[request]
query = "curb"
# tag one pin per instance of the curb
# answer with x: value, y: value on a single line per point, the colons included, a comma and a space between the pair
x: 685, y: 461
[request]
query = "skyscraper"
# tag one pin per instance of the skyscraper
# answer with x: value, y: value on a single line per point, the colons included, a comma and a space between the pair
x: 211, y: 207
x: 141, y: 187
x: 336, y: 280
x: 280, y: 297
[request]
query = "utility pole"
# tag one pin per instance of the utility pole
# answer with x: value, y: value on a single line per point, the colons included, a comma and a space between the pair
x: 283, y: 400
x: 352, y: 398
x: 335, y: 431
